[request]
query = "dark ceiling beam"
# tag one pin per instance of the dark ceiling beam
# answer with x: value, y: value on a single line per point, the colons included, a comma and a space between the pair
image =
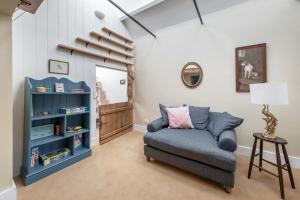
x: 133, y: 19
x: 198, y: 12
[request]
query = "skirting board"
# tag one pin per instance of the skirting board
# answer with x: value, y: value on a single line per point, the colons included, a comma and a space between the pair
x: 9, y: 194
x: 268, y: 155
x: 139, y: 128
x: 242, y: 150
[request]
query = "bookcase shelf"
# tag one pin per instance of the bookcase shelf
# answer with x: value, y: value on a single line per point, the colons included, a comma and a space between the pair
x: 59, y: 93
x: 52, y: 102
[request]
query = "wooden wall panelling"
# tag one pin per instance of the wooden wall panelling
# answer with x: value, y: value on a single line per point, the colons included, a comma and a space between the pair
x: 116, y: 120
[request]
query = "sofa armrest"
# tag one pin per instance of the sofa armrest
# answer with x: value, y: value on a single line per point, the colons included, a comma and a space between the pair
x: 155, y: 125
x: 227, y: 140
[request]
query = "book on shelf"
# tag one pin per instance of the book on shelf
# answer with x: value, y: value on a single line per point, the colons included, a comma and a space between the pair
x: 78, y: 140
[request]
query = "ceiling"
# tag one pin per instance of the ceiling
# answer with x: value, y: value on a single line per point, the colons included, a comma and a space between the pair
x: 131, y: 5
x: 171, y: 12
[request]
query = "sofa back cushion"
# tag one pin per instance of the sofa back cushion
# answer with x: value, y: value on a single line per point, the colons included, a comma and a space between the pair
x: 199, y: 117
x: 164, y: 115
x: 179, y: 117
x: 220, y: 122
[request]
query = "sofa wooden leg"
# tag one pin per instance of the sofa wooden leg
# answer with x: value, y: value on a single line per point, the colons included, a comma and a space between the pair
x: 227, y: 189
x: 148, y: 158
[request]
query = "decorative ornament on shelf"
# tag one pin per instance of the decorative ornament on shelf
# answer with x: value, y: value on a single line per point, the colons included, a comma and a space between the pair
x: 59, y: 87
x: 269, y: 94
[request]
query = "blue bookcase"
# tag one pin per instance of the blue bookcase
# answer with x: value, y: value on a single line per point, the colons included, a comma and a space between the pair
x: 35, y: 104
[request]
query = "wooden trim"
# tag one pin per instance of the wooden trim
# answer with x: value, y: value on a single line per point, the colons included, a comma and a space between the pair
x: 115, y: 110
x: 116, y: 131
x: 93, y: 54
x: 87, y: 42
x: 114, y: 118
x: 117, y: 43
x: 109, y: 31
x: 115, y: 136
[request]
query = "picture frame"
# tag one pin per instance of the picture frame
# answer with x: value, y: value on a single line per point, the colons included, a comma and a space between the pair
x: 251, y: 66
x: 122, y: 82
x: 59, y: 87
x: 58, y: 67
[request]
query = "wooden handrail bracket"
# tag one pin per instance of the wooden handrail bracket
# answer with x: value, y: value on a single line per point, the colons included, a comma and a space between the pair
x: 109, y: 31
x: 88, y: 42
x: 84, y: 52
x: 112, y: 41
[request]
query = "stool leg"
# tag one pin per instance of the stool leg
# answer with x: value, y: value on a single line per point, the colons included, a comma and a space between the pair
x: 279, y: 171
x: 252, y: 158
x: 261, y: 149
x: 288, y: 166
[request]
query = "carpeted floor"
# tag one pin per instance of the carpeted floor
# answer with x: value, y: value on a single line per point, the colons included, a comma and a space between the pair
x: 119, y: 171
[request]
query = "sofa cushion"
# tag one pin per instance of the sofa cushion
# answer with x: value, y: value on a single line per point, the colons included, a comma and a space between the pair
x: 220, y: 122
x: 199, y: 117
x: 164, y: 115
x: 179, y: 117
x: 155, y: 125
x: 227, y: 140
x: 193, y: 144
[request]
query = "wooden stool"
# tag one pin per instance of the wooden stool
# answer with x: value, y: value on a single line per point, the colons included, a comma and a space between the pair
x: 277, y: 141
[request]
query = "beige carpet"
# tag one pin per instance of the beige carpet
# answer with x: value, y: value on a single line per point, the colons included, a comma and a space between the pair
x: 119, y: 171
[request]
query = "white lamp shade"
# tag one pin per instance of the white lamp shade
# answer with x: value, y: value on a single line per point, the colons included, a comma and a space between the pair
x: 269, y: 93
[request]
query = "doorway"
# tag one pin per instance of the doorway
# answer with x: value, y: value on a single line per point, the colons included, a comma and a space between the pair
x: 114, y: 113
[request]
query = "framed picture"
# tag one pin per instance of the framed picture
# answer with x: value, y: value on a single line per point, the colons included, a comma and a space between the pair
x: 122, y: 81
x: 59, y: 87
x: 251, y: 66
x: 58, y: 67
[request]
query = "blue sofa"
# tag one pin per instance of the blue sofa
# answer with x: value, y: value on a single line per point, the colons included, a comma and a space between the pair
x: 194, y: 150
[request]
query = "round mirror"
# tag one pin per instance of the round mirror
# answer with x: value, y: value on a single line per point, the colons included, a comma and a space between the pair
x: 191, y: 75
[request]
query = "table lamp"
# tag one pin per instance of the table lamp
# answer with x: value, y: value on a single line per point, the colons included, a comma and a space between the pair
x: 269, y: 94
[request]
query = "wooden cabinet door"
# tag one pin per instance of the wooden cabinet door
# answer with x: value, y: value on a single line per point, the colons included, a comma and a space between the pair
x: 115, y: 120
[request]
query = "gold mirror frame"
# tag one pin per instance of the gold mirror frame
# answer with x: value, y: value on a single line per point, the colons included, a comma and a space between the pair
x: 200, y: 78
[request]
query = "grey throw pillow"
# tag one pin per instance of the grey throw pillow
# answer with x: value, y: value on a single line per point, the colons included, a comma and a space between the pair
x: 220, y: 122
x: 199, y: 117
x: 164, y: 115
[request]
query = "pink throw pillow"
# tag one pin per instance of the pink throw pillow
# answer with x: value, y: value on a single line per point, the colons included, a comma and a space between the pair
x: 179, y: 117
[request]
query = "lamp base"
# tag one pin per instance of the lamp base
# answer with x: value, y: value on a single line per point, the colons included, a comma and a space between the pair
x: 271, y: 121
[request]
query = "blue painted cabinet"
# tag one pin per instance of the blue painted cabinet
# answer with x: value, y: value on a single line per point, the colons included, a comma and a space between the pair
x: 36, y: 104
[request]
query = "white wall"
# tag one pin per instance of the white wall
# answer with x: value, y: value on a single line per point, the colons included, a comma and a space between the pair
x: 35, y: 40
x: 110, y: 80
x: 6, y: 132
x: 159, y: 63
